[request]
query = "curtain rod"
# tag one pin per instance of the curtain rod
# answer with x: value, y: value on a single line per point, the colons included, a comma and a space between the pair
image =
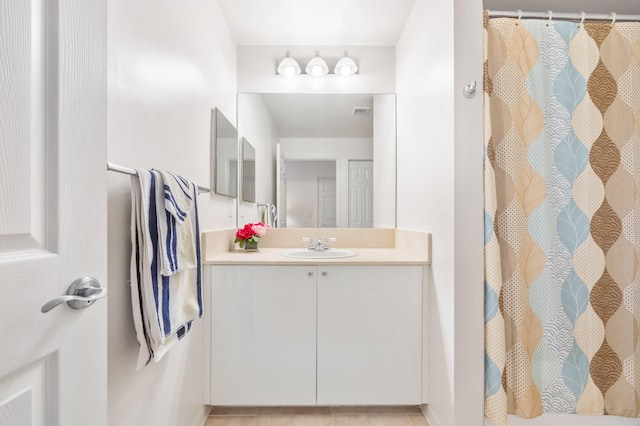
x: 562, y: 16
x: 127, y: 171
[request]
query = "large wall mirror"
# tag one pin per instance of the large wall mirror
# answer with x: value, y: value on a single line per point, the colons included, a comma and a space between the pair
x: 224, y: 149
x: 335, y: 157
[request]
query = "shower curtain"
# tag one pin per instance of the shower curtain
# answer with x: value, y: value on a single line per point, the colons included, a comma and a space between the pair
x: 562, y: 218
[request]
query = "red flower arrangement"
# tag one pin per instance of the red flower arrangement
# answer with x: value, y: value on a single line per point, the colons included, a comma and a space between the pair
x: 250, y: 233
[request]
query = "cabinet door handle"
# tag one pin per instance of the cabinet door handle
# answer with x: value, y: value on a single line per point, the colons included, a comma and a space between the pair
x: 310, y: 274
x: 325, y: 273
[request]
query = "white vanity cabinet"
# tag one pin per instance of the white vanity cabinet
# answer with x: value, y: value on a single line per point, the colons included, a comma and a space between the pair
x: 316, y: 335
x: 369, y: 335
x: 263, y: 335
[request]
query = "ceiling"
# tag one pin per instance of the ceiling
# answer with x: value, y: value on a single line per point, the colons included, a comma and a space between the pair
x: 362, y: 22
x: 316, y: 22
x: 319, y: 116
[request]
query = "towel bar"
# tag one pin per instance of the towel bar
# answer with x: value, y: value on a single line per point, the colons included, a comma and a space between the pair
x: 127, y: 171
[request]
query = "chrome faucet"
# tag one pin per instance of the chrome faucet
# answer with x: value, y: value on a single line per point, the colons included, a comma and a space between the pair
x: 318, y: 245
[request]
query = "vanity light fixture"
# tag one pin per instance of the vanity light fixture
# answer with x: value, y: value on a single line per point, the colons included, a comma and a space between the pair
x: 346, y: 66
x: 317, y: 66
x: 288, y: 66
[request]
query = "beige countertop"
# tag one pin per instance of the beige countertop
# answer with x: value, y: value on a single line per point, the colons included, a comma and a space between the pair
x: 374, y: 247
x: 273, y: 256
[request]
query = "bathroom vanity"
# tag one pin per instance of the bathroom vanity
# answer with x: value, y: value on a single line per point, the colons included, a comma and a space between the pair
x: 316, y: 331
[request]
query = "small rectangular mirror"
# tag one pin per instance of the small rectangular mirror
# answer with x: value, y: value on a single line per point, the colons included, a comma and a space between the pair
x: 224, y: 149
x: 248, y: 172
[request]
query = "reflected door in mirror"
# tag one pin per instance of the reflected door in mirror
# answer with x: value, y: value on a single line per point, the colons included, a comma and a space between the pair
x: 326, y: 203
x: 360, y: 194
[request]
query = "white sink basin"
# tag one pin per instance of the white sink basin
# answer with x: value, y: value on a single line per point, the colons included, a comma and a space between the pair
x: 327, y: 254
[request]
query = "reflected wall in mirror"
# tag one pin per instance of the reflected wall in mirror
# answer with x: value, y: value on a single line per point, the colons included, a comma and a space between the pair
x: 224, y: 149
x: 248, y: 172
x: 335, y: 157
x: 311, y: 194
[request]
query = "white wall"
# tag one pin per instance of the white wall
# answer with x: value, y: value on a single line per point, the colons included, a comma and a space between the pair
x: 469, y: 207
x: 384, y: 161
x: 256, y: 125
x: 257, y: 70
x: 425, y: 70
x: 440, y: 150
x: 169, y: 63
x: 341, y: 150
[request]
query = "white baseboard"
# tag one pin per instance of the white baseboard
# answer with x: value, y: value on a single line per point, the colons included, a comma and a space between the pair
x: 431, y: 418
x: 202, y: 416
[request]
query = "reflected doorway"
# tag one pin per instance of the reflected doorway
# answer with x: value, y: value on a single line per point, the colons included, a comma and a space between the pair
x: 303, y: 179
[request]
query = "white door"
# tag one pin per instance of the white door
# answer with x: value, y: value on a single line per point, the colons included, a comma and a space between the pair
x: 53, y: 367
x: 326, y: 203
x: 361, y: 194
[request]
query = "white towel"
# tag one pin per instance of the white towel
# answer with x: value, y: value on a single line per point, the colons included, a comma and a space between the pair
x: 178, y: 250
x: 269, y: 215
x: 273, y: 218
x: 163, y: 306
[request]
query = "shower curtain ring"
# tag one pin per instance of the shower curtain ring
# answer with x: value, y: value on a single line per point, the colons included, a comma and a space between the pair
x: 550, y: 13
x: 519, y: 12
x: 582, y: 16
x: 613, y: 20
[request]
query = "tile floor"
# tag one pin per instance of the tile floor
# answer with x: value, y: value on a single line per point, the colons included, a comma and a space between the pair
x: 316, y: 416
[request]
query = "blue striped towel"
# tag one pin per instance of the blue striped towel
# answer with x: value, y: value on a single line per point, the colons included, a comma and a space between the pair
x: 164, y: 306
x: 178, y: 251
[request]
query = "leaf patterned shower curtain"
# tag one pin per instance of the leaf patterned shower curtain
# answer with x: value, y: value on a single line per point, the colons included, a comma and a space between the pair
x: 562, y: 218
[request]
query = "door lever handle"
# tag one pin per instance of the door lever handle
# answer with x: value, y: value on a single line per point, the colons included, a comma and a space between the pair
x: 81, y: 294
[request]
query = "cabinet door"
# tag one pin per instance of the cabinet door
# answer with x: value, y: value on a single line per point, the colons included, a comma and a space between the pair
x: 369, y: 335
x: 263, y: 335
